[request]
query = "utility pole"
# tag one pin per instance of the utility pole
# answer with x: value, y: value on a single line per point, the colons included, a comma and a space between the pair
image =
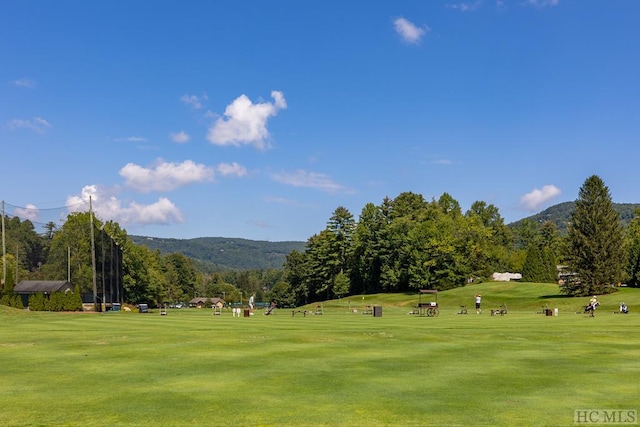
x: 104, y: 297
x: 93, y: 258
x: 4, y: 252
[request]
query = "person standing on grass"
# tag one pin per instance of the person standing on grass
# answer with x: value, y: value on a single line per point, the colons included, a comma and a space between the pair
x: 252, y: 301
x: 478, y: 300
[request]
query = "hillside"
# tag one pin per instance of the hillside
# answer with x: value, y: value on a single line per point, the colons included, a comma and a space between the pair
x: 561, y: 213
x: 221, y: 253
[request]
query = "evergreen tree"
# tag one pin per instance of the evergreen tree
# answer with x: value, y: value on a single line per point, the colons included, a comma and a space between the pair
x: 341, y: 285
x: 296, y: 271
x: 533, y: 269
x: 367, y: 252
x: 595, y: 241
x: 73, y: 300
x: 37, y: 302
x: 633, y: 250
x: 539, y: 265
x: 16, y: 302
x: 5, y: 299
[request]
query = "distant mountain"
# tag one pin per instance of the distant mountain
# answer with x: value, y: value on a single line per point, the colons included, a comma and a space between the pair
x: 561, y: 213
x: 221, y: 253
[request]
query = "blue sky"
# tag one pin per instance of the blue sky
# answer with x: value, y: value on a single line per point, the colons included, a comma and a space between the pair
x: 257, y: 119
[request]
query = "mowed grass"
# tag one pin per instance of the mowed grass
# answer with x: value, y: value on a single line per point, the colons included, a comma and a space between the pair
x: 339, y: 368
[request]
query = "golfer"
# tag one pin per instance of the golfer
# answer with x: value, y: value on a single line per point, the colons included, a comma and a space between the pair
x: 478, y: 300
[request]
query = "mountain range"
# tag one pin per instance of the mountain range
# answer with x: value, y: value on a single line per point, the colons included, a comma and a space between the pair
x: 560, y: 215
x: 223, y: 253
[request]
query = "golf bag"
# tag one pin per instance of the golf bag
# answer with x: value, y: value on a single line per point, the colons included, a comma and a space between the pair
x: 591, y: 307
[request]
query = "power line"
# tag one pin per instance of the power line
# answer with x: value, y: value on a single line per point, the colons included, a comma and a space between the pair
x: 44, y: 209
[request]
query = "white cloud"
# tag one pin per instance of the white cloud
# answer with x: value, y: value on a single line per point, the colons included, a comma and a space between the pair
x: 281, y: 200
x: 536, y: 198
x: 542, y: 3
x: 464, y: 6
x: 180, y: 137
x: 131, y: 139
x: 24, y: 82
x: 319, y: 181
x: 227, y: 169
x: 408, y: 31
x: 107, y: 207
x: 245, y: 122
x: 194, y: 101
x: 37, y: 124
x: 443, y: 162
x: 165, y: 176
x: 29, y: 212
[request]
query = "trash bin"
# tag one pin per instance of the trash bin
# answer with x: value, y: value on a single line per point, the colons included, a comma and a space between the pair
x: 549, y: 312
x: 115, y: 306
x: 247, y: 312
x: 377, y: 311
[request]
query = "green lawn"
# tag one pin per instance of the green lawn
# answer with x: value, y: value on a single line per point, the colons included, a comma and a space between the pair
x: 339, y: 368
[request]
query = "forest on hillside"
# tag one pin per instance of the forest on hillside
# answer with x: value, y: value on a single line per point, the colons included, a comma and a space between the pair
x: 222, y: 253
x: 560, y: 215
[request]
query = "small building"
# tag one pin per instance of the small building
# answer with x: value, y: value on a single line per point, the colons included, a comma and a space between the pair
x: 200, y: 302
x: 26, y: 288
x: 506, y: 277
x: 217, y: 302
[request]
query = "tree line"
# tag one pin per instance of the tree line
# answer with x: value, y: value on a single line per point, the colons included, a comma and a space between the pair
x: 408, y: 243
x: 401, y: 245
x: 143, y: 274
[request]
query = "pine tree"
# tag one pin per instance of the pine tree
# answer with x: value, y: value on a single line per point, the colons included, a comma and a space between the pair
x: 532, y: 270
x: 595, y: 241
x: 633, y: 250
x: 539, y: 265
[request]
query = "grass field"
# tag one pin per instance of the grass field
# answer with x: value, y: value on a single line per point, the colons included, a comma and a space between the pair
x: 335, y: 369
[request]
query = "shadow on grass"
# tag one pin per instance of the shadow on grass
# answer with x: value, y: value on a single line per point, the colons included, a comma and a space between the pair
x: 558, y: 296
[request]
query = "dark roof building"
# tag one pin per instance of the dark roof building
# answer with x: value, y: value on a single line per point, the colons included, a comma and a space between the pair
x: 45, y: 286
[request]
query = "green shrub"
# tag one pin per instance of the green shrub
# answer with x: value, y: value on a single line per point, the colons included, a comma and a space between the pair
x: 73, y: 301
x: 55, y: 302
x: 5, y: 300
x: 37, y: 302
x: 16, y: 302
